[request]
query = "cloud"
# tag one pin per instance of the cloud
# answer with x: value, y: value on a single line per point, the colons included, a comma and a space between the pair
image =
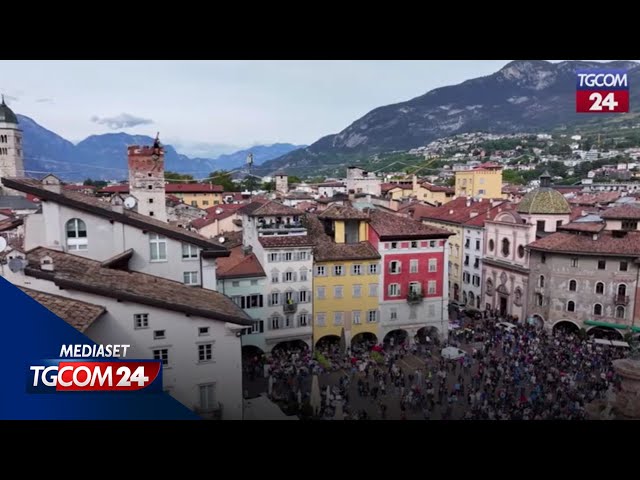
x: 44, y: 100
x: 124, y: 120
x: 10, y: 98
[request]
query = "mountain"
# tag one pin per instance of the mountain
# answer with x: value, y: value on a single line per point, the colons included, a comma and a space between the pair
x: 523, y: 96
x: 103, y: 157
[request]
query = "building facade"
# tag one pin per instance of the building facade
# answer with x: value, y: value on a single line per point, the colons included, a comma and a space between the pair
x: 483, y: 181
x: 361, y: 181
x: 146, y: 180
x: 11, y: 148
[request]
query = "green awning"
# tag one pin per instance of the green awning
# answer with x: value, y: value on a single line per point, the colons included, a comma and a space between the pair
x: 619, y: 326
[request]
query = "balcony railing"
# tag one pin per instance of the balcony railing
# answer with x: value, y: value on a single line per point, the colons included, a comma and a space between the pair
x: 414, y: 298
x: 290, y: 307
x: 280, y: 226
x: 621, y: 299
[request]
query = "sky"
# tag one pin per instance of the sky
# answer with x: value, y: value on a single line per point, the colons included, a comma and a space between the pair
x: 204, y: 108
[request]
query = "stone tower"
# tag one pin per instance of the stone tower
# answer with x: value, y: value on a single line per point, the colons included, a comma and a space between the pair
x: 11, y: 153
x: 282, y: 183
x: 146, y: 179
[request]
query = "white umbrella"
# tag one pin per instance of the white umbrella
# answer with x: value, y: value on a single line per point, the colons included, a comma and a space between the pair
x: 328, y: 397
x: 270, y: 385
x: 315, y: 399
x: 339, y: 415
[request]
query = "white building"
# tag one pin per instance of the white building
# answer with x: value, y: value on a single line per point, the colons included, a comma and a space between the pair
x: 329, y: 189
x: 94, y: 228
x: 11, y: 154
x: 280, y: 243
x: 472, y: 264
x: 361, y: 181
x: 146, y: 179
x: 194, y: 331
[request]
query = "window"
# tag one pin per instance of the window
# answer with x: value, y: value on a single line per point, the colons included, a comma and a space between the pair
x: 275, y: 298
x: 207, y: 397
x: 414, y: 244
x: 205, y: 202
x: 289, y: 297
x: 356, y: 269
x: 189, y: 251
x: 355, y: 316
x: 599, y: 288
x: 372, y: 316
x: 571, y: 306
x: 303, y: 320
x: 288, y: 321
x: 320, y: 293
x: 415, y: 287
x: 275, y: 322
x: 235, y: 283
x: 623, y: 266
x: 433, y: 264
x: 466, y: 260
x: 275, y: 276
x: 597, y: 309
x: 541, y: 281
x: 619, y: 311
x: 602, y: 264
x: 77, y: 235
x: 158, y: 334
x: 303, y: 256
x: 394, y: 289
x: 482, y: 191
x: 506, y: 247
x: 373, y: 289
x: 205, y: 352
x: 150, y: 200
x: 249, y: 301
x: 540, y: 225
x: 289, y: 277
x: 303, y: 296
x: 254, y: 282
x: 203, y: 331
x: 162, y: 354
x: 431, y: 287
x: 194, y: 203
x: 476, y: 280
x: 190, y: 278
x: 320, y: 319
x: 287, y: 257
x: 539, y: 300
x: 273, y: 257
x: 629, y: 225
x: 482, y: 181
x: 338, y: 270
x: 492, y: 245
x: 572, y: 286
x: 303, y: 274
x: 520, y: 251
x: 432, y: 243
x: 574, y: 262
x: 477, y: 244
x: 141, y: 320
x: 467, y: 243
x: 413, y: 266
x: 158, y: 246
x: 393, y: 245
x: 394, y: 267
x: 337, y: 318
x: 393, y: 314
x: 373, y: 268
x: 320, y: 271
x: 357, y: 291
x: 337, y: 292
x: 543, y: 258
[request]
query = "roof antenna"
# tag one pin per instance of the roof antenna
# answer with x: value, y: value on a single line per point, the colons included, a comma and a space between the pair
x: 156, y: 143
x: 3, y: 100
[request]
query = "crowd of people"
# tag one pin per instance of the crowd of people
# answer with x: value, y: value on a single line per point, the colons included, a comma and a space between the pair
x: 515, y: 373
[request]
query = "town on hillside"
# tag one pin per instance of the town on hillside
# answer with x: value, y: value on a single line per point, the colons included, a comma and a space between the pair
x: 500, y: 283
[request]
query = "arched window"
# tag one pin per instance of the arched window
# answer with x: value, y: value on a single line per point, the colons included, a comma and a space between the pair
x: 622, y: 290
x: 572, y: 286
x: 506, y: 246
x: 464, y: 297
x: 619, y: 311
x: 520, y: 251
x: 599, y: 288
x: 303, y: 274
x: 539, y: 300
x: 492, y: 245
x: 517, y: 296
x: 541, y: 281
x: 472, y: 299
x: 489, y: 283
x: 77, y: 235
x: 597, y: 309
x: 571, y: 306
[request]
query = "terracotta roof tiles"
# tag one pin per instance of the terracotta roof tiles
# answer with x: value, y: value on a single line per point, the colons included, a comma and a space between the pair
x: 605, y: 244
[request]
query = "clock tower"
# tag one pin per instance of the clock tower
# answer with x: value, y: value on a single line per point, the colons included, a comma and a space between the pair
x: 146, y: 179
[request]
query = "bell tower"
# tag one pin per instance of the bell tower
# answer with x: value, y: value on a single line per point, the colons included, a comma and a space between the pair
x: 11, y: 150
x: 146, y: 179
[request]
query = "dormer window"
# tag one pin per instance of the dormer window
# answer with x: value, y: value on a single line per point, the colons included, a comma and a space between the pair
x: 76, y: 235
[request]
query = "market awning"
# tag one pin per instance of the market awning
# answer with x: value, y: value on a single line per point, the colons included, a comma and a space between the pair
x: 619, y: 326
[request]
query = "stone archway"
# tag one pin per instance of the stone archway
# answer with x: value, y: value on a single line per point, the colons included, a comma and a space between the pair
x: 291, y: 345
x: 328, y: 342
x: 427, y: 335
x: 364, y: 338
x: 607, y: 333
x: 250, y: 352
x: 396, y: 337
x: 565, y: 326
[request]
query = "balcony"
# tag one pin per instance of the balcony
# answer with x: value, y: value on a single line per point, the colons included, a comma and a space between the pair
x: 280, y: 228
x: 414, y: 298
x: 539, y: 290
x: 290, y: 307
x: 621, y: 299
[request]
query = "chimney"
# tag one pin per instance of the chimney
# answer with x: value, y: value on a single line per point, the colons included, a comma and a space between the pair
x: 352, y: 195
x: 414, y: 180
x: 468, y: 201
x: 46, y: 264
x: 247, y: 250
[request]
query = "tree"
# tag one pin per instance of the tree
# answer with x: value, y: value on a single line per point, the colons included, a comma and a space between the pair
x: 95, y: 183
x: 173, y: 177
x: 513, y: 177
x: 450, y: 182
x: 269, y: 186
x: 250, y: 183
x: 293, y: 179
x: 222, y: 177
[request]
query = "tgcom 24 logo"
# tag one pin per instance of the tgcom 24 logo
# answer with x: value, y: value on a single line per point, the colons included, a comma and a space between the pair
x: 602, y: 91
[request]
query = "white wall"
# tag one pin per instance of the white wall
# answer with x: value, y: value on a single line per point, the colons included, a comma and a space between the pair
x: 473, y: 234
x: 184, y: 373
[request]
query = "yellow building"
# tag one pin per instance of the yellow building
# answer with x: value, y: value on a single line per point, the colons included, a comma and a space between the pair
x: 484, y: 181
x: 201, y: 195
x: 346, y: 276
x: 435, y: 194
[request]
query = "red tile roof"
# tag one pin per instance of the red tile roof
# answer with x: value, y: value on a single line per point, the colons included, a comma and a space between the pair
x: 343, y: 212
x: 282, y: 241
x: 305, y: 206
x: 268, y: 208
x: 391, y: 226
x: 78, y: 273
x: 326, y: 249
x: 631, y: 212
x: 592, y: 227
x: 171, y: 188
x: 599, y: 198
x: 416, y: 210
x: 79, y: 188
x: 458, y: 212
x: 80, y: 315
x: 239, y: 265
x: 225, y: 211
x: 331, y: 184
x: 604, y: 244
x: 437, y: 188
